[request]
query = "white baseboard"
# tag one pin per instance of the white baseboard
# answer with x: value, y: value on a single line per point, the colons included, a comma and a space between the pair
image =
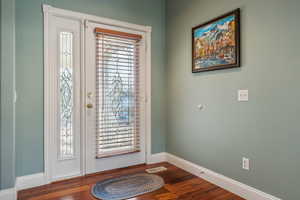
x: 157, y: 158
x: 229, y: 184
x: 8, y: 194
x: 35, y: 180
x: 30, y: 181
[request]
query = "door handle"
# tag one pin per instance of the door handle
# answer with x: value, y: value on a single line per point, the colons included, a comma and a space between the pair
x: 89, y: 105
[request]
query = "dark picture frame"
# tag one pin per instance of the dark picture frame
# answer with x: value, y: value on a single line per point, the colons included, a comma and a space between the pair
x: 216, y: 43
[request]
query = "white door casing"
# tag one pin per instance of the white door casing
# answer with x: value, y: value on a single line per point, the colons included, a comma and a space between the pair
x: 81, y: 21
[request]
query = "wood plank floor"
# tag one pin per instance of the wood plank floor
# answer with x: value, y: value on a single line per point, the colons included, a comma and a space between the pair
x: 180, y: 185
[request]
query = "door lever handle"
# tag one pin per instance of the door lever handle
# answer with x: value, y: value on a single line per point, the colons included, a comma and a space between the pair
x: 89, y: 105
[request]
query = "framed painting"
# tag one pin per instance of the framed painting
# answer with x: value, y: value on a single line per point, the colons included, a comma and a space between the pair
x: 216, y: 44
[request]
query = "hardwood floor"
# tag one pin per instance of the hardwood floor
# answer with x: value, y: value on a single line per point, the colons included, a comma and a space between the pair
x: 180, y: 185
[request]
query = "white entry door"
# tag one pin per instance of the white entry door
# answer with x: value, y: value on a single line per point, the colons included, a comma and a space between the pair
x: 115, y: 97
x: 95, y: 95
x: 63, y: 95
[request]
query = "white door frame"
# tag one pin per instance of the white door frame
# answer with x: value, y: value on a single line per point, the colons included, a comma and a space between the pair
x: 48, y: 82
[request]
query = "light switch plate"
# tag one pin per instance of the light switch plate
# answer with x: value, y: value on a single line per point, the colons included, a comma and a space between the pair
x: 243, y: 95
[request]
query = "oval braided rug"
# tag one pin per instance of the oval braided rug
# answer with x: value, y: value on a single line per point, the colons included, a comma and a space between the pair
x: 125, y: 187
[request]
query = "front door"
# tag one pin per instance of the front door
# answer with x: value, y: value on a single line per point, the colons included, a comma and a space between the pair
x: 96, y: 89
x: 115, y: 97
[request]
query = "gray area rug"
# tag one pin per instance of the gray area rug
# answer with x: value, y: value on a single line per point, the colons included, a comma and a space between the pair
x: 125, y: 187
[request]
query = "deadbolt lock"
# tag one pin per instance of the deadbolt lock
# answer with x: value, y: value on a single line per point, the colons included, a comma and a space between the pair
x: 89, y: 105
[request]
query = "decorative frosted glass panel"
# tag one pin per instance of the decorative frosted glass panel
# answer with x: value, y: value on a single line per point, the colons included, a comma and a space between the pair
x: 66, y: 95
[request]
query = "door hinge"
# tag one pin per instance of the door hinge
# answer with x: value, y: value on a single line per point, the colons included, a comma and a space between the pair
x: 146, y: 46
x: 86, y: 24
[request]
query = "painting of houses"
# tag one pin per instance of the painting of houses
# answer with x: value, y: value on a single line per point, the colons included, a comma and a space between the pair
x: 216, y: 43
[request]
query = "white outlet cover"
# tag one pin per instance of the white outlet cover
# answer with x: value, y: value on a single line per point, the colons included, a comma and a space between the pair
x: 243, y: 95
x: 246, y: 164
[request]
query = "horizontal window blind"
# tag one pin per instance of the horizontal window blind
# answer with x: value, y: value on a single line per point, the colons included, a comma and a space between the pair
x: 117, y: 93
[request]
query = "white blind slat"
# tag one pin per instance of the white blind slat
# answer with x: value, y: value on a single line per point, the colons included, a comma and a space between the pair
x: 117, y: 93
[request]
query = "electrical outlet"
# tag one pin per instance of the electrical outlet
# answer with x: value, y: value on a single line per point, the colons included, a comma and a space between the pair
x: 243, y: 95
x: 246, y: 164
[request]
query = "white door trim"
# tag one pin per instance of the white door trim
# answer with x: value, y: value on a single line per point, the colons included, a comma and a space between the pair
x: 8, y: 194
x: 48, y: 83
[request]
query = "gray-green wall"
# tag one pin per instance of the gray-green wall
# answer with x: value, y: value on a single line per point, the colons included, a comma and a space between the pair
x: 29, y: 68
x: 266, y: 129
x: 7, y: 134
